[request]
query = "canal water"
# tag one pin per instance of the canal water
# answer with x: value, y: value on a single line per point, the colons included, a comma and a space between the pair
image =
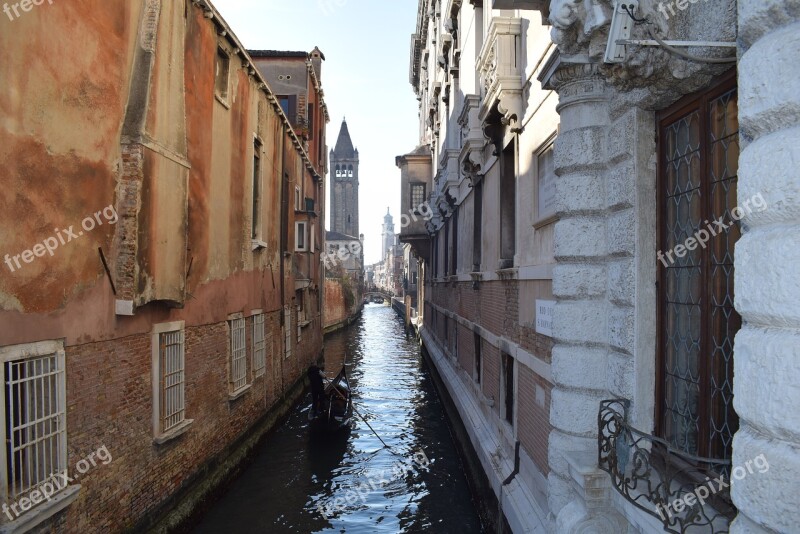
x: 348, y: 482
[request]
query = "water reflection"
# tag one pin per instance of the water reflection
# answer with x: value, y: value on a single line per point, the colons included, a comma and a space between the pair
x: 347, y: 482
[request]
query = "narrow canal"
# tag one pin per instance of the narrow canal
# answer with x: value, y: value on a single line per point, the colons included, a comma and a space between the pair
x: 347, y: 482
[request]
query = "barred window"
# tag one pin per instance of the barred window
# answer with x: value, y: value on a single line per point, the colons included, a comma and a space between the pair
x: 259, y: 345
x: 238, y: 370
x: 35, y: 411
x: 173, y: 379
x: 417, y: 195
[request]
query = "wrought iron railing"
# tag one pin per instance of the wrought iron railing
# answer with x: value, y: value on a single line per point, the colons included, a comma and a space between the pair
x: 686, y: 493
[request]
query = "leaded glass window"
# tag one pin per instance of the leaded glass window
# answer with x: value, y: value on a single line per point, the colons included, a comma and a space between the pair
x: 698, y: 164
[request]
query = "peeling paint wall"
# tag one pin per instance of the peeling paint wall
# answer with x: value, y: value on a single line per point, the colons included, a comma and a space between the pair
x: 112, y: 131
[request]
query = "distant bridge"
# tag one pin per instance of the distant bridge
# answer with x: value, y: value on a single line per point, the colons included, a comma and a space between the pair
x: 378, y: 293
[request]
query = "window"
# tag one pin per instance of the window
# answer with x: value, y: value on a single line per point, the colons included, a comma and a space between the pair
x: 697, y: 176
x: 545, y: 183
x: 454, y: 259
x: 508, y: 199
x: 238, y: 369
x: 446, y: 251
x: 478, y: 363
x: 222, y: 74
x: 477, y: 226
x: 287, y: 330
x: 417, y: 196
x: 256, y: 231
x: 301, y: 241
x: 35, y: 444
x: 289, y: 105
x: 301, y: 305
x: 310, y: 118
x: 508, y: 387
x: 298, y: 199
x: 259, y: 345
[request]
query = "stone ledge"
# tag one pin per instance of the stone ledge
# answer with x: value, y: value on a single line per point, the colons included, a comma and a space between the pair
x: 32, y: 518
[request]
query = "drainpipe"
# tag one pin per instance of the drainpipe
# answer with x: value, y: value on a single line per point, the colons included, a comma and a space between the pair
x: 284, y: 244
x: 506, y: 482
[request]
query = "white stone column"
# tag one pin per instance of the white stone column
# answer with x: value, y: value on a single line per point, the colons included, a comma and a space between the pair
x: 580, y: 328
x: 767, y: 349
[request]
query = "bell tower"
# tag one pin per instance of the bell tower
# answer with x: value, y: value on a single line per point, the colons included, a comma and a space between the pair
x: 344, y: 185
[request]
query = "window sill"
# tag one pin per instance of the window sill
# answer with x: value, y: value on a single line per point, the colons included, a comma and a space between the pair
x: 222, y: 101
x: 257, y: 244
x: 237, y: 394
x: 304, y: 324
x: 173, y: 432
x: 44, y: 511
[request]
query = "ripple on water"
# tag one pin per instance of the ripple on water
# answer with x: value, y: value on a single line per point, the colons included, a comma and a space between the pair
x: 295, y: 476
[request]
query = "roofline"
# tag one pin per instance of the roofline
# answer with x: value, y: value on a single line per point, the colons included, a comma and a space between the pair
x: 211, y: 12
x: 278, y: 53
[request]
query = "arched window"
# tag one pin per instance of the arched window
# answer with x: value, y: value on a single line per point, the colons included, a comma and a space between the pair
x: 350, y: 171
x: 338, y: 172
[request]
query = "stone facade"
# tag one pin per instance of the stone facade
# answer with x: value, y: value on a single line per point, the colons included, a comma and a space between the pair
x: 174, y: 325
x: 583, y: 199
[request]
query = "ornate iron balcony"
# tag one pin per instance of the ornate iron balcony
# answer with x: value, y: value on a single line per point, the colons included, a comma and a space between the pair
x: 686, y: 493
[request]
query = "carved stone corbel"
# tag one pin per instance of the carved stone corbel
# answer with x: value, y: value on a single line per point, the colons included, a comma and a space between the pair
x: 500, y: 71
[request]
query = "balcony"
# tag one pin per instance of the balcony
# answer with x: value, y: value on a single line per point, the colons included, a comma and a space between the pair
x: 663, y: 482
x: 501, y: 73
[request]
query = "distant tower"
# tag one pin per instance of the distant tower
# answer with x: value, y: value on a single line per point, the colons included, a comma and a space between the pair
x: 344, y: 189
x: 387, y: 234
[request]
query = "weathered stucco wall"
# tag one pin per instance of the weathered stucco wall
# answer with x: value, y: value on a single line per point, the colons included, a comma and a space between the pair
x: 112, y: 117
x: 335, y: 311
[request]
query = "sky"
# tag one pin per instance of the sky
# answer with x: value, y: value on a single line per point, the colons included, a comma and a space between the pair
x: 365, y: 78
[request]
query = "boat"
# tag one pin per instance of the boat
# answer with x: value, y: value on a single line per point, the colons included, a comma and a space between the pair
x: 336, y: 408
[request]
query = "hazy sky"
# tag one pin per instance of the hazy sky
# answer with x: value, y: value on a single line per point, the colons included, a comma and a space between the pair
x: 365, y: 77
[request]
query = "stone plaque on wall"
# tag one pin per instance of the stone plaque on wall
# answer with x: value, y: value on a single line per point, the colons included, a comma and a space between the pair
x: 544, y: 317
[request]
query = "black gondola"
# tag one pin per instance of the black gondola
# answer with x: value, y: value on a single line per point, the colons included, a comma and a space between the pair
x: 334, y: 410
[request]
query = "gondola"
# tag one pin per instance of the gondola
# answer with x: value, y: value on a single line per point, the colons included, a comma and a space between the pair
x: 336, y: 407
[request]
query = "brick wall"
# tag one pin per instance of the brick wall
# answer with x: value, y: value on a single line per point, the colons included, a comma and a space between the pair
x: 537, y: 344
x: 533, y: 416
x: 490, y: 381
x: 466, y: 349
x: 109, y: 403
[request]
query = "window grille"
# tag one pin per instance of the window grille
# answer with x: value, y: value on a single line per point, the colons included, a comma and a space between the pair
x: 173, y: 379
x: 259, y: 345
x: 417, y: 195
x: 36, y: 435
x: 238, y: 355
x: 287, y: 330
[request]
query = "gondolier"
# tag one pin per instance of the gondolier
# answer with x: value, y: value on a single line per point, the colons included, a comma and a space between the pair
x: 316, y: 377
x: 331, y: 407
